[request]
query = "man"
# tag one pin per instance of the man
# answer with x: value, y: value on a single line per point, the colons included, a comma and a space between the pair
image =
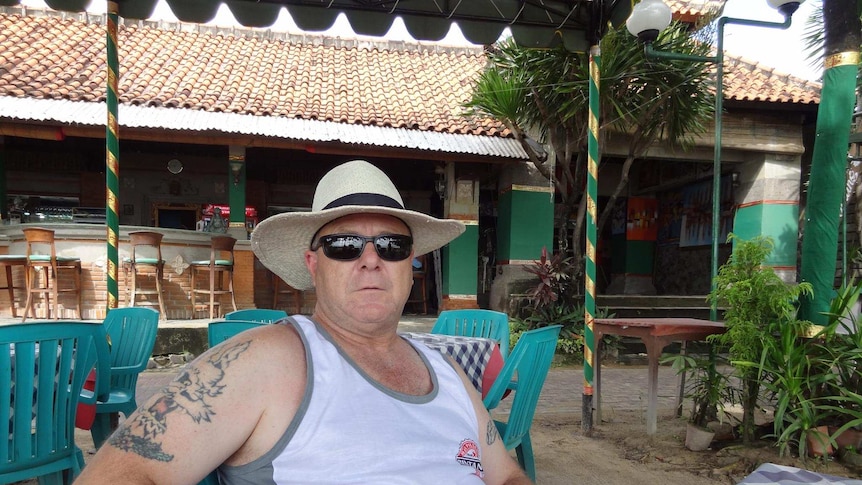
x: 337, y: 398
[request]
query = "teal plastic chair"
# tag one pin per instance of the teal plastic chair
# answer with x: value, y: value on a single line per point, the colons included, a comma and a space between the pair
x: 264, y: 315
x: 475, y: 323
x: 221, y: 330
x: 531, y: 359
x: 43, y: 367
x: 132, y: 336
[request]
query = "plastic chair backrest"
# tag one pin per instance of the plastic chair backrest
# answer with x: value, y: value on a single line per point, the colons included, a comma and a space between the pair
x: 475, y: 323
x: 264, y: 315
x: 132, y: 334
x: 531, y: 358
x: 39, y: 422
x: 221, y: 330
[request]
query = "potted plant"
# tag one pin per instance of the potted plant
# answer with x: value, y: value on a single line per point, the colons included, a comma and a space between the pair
x: 707, y: 388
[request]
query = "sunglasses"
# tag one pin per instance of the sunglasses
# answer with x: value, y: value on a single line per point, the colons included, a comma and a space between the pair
x: 348, y: 247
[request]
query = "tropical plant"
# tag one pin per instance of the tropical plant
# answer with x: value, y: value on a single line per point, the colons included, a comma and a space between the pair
x: 758, y: 305
x: 705, y: 384
x: 554, y: 300
x: 546, y: 93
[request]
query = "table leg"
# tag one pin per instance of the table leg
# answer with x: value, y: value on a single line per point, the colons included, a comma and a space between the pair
x: 654, y: 347
x: 597, y: 376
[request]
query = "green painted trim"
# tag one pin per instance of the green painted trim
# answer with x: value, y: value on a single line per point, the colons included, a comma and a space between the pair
x: 525, y: 224
x: 777, y: 221
x: 460, y: 263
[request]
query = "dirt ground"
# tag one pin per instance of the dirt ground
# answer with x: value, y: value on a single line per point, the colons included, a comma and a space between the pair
x: 620, y: 452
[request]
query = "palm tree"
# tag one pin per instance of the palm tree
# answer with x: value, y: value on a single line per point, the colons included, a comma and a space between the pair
x: 545, y: 93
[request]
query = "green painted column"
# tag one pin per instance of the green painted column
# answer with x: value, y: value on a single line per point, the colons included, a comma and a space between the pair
x: 460, y: 258
x: 767, y: 204
x: 827, y: 180
x: 236, y: 191
x: 633, y: 247
x: 461, y: 271
x: 525, y: 224
x: 112, y: 158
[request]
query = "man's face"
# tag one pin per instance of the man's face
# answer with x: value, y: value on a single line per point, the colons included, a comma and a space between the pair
x: 368, y: 289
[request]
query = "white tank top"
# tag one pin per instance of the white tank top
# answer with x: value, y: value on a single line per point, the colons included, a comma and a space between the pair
x: 350, y: 429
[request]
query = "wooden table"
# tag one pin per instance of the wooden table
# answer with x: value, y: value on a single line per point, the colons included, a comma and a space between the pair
x: 656, y: 334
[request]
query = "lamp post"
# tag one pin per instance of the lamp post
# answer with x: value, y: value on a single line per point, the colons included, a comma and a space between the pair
x: 650, y: 17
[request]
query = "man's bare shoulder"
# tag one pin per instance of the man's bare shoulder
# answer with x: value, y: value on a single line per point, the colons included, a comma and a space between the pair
x: 273, y: 347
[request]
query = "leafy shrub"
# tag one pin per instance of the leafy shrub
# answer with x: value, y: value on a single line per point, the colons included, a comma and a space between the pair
x: 555, y: 301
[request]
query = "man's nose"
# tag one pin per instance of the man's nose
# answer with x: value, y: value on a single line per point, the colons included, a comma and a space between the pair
x: 369, y: 252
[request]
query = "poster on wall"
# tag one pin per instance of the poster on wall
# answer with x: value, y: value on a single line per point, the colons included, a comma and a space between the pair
x: 641, y: 219
x: 670, y: 213
x: 696, y: 226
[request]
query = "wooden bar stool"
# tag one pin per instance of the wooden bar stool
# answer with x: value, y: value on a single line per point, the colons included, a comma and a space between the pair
x: 42, y: 258
x: 279, y: 287
x: 8, y: 261
x: 220, y: 262
x: 146, y: 252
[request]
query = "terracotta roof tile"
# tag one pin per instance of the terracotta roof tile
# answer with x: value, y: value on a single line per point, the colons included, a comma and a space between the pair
x: 693, y: 10
x: 395, y: 84
x: 746, y: 80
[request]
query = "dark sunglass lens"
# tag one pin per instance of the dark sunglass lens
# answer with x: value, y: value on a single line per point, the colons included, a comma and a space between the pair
x: 342, y: 248
x: 394, y: 247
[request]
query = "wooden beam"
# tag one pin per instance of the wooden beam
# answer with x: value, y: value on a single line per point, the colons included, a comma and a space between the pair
x: 39, y: 132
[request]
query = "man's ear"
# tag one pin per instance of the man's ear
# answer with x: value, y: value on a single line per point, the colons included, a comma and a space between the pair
x: 311, y: 263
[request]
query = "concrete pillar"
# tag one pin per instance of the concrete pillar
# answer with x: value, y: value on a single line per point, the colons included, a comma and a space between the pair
x: 633, y: 241
x: 768, y: 205
x: 525, y: 224
x: 461, y: 256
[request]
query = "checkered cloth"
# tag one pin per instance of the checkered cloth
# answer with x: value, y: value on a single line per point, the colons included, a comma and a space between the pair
x: 772, y: 474
x: 471, y: 353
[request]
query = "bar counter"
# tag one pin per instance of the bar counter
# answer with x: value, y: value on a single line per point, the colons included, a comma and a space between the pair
x: 88, y: 242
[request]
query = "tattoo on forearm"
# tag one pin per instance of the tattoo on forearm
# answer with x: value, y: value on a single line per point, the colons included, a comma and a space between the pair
x: 491, y: 433
x: 191, y: 393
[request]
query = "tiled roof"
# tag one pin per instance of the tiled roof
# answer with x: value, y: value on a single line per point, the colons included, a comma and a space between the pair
x: 310, y: 77
x: 417, y: 87
x: 692, y: 10
x: 747, y: 80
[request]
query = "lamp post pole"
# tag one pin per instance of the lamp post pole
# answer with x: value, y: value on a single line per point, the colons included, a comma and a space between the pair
x: 649, y: 35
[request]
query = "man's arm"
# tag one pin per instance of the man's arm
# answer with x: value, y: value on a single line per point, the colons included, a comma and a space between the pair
x: 500, y: 468
x: 201, y: 419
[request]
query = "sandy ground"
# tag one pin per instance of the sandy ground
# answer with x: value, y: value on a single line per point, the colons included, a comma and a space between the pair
x: 620, y: 452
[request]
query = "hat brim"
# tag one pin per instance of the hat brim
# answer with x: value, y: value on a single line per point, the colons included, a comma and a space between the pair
x: 280, y: 241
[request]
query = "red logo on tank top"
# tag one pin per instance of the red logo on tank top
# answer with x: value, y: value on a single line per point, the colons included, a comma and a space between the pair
x: 468, y: 454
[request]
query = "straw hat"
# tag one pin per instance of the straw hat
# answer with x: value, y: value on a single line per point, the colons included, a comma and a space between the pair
x: 351, y: 188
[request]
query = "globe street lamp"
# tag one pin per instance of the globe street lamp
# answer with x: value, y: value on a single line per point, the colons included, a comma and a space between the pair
x: 650, y: 17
